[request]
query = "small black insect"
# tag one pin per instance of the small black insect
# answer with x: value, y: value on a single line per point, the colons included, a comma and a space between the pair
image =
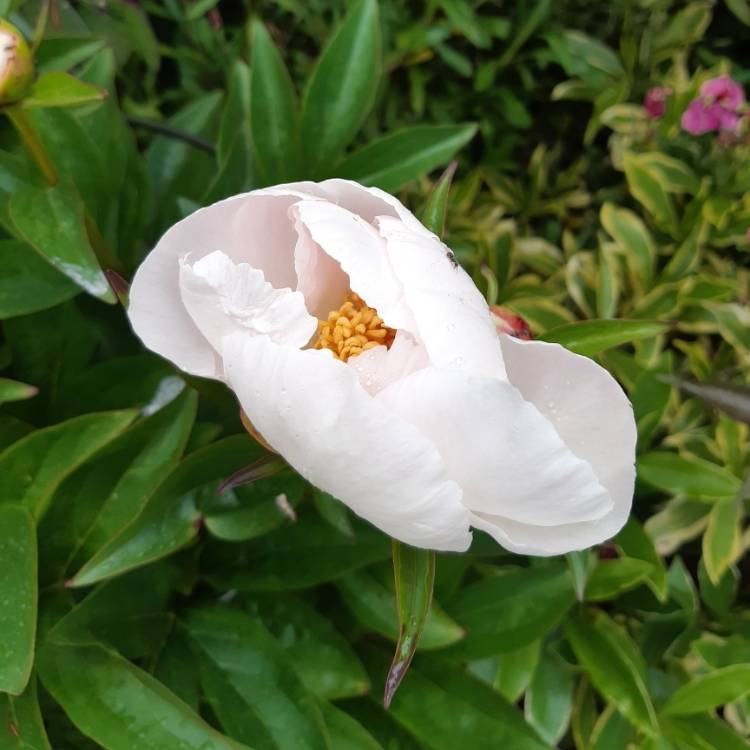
x: 452, y: 258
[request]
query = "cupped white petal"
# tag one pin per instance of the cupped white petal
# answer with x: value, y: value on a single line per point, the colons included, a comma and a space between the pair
x: 589, y: 410
x: 224, y: 298
x: 360, y: 251
x: 452, y: 317
x: 507, y: 457
x: 311, y: 408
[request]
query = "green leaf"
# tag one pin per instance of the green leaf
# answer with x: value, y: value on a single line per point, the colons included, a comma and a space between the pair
x: 614, y: 665
x: 709, y: 691
x: 692, y: 476
x: 434, y: 213
x: 12, y: 390
x: 633, y: 239
x: 251, y: 684
x: 733, y: 400
x: 21, y: 724
x: 373, y: 605
x: 299, y: 556
x: 322, y: 656
x: 549, y: 698
x: 590, y: 337
x: 701, y: 733
x: 120, y: 706
x: 741, y: 9
x: 32, y: 468
x: 684, y: 27
x: 610, y: 578
x: 28, y: 283
x: 515, y: 670
x: 445, y: 708
x: 171, y: 517
x: 509, y: 610
x: 651, y: 190
x: 59, y: 89
x: 414, y: 574
x: 722, y: 541
x: 341, y: 90
x: 51, y: 220
x: 18, y: 594
x: 404, y: 156
x: 273, y: 110
x: 345, y: 732
x: 634, y: 542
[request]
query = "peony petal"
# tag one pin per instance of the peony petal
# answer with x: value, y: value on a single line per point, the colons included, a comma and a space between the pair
x: 224, y: 298
x: 253, y: 228
x: 452, y: 317
x: 312, y: 410
x: 361, y: 253
x: 379, y: 367
x: 507, y: 458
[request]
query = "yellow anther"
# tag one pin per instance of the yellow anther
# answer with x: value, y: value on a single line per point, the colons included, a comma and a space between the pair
x: 353, y: 329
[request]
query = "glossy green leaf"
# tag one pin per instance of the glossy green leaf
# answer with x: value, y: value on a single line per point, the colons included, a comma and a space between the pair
x: 401, y: 157
x: 692, y: 476
x: 251, y: 683
x: 446, y: 708
x: 18, y: 594
x: 414, y: 574
x: 515, y: 670
x: 21, y: 723
x: 12, y: 390
x: 345, y: 732
x: 273, y: 110
x: 702, y: 733
x: 634, y: 542
x: 506, y: 611
x: 59, y: 89
x: 614, y: 665
x: 51, y: 220
x: 633, y: 238
x: 120, y: 706
x: 549, y: 698
x: 651, y: 190
x: 321, y: 655
x: 435, y: 211
x: 610, y: 578
x: 28, y: 283
x: 32, y: 468
x: 590, y: 337
x: 105, y: 494
x: 373, y: 605
x: 171, y: 517
x: 722, y: 543
x: 709, y: 691
x: 341, y: 90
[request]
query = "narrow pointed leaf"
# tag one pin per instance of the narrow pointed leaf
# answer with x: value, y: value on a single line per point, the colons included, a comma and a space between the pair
x: 733, y: 400
x: 12, y: 390
x: 436, y: 209
x: 593, y: 336
x: 60, y: 89
x: 710, y: 690
x: 21, y: 724
x: 18, y: 597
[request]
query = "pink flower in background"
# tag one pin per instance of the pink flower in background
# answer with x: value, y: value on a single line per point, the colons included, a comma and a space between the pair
x: 655, y: 101
x: 717, y: 107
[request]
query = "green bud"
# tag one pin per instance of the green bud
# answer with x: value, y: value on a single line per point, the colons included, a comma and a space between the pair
x: 16, y: 64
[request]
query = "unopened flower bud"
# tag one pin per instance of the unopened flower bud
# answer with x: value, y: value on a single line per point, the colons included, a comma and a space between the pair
x: 509, y: 323
x: 16, y: 64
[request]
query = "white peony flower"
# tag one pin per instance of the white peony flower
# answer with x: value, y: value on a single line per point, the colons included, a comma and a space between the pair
x: 367, y: 358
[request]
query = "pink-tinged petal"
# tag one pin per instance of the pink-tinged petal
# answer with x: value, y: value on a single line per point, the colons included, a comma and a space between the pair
x: 379, y: 367
x: 507, y: 457
x: 224, y: 298
x: 319, y: 277
x: 360, y: 251
x: 452, y: 317
x: 311, y: 408
x: 728, y: 120
x: 700, y: 118
x: 724, y: 90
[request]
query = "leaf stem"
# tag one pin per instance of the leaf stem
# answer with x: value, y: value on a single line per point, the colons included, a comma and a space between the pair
x: 31, y: 140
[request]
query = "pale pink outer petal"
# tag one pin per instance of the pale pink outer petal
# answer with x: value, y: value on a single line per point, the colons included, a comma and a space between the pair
x: 700, y: 118
x: 252, y: 227
x: 223, y: 297
x: 725, y: 89
x: 452, y: 317
x: 592, y: 414
x: 507, y: 458
x: 311, y: 408
x: 361, y: 252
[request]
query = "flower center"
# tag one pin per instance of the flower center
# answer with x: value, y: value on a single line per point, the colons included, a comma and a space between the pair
x: 353, y: 329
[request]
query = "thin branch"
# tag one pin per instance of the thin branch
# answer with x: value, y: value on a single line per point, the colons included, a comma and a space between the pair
x: 170, y: 132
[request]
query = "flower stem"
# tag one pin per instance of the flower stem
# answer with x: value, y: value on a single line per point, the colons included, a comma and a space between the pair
x: 31, y: 140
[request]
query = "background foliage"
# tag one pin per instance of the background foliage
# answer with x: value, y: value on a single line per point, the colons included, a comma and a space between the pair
x: 139, y: 608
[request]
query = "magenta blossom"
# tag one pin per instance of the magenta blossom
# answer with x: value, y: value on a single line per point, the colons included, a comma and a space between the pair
x: 716, y: 108
x: 655, y: 101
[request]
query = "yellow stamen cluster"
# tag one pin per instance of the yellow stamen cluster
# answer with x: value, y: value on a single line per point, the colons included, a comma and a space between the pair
x: 352, y: 329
